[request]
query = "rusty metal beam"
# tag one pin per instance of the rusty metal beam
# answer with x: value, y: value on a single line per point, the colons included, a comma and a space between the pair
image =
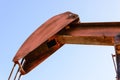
x: 104, y: 33
x: 43, y: 42
x: 100, y: 33
x: 63, y: 29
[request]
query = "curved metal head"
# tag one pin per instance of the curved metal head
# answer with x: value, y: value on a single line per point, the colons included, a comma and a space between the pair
x: 42, y: 42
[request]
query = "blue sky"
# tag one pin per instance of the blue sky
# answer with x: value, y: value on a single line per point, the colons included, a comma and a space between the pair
x: 19, y: 18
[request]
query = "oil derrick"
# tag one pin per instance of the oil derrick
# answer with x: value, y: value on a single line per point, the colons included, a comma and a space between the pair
x: 61, y: 29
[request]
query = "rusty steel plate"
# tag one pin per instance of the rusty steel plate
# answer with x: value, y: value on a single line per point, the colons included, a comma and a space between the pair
x: 42, y: 39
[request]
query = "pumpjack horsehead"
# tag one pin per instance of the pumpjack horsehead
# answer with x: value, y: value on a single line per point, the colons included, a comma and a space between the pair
x: 65, y: 28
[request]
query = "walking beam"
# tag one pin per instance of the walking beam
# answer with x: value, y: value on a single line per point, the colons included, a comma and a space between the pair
x: 63, y: 29
x: 99, y: 33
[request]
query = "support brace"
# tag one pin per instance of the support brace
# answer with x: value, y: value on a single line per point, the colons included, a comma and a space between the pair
x: 117, y: 50
x: 19, y: 69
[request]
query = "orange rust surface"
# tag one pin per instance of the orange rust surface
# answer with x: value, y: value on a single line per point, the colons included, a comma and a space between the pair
x: 42, y: 43
x: 95, y: 29
x: 99, y: 33
x: 59, y: 30
x: 44, y: 32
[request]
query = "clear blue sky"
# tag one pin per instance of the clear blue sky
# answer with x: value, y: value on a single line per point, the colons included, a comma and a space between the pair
x: 19, y: 18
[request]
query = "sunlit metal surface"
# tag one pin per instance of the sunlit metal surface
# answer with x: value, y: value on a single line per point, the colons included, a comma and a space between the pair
x: 63, y: 29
